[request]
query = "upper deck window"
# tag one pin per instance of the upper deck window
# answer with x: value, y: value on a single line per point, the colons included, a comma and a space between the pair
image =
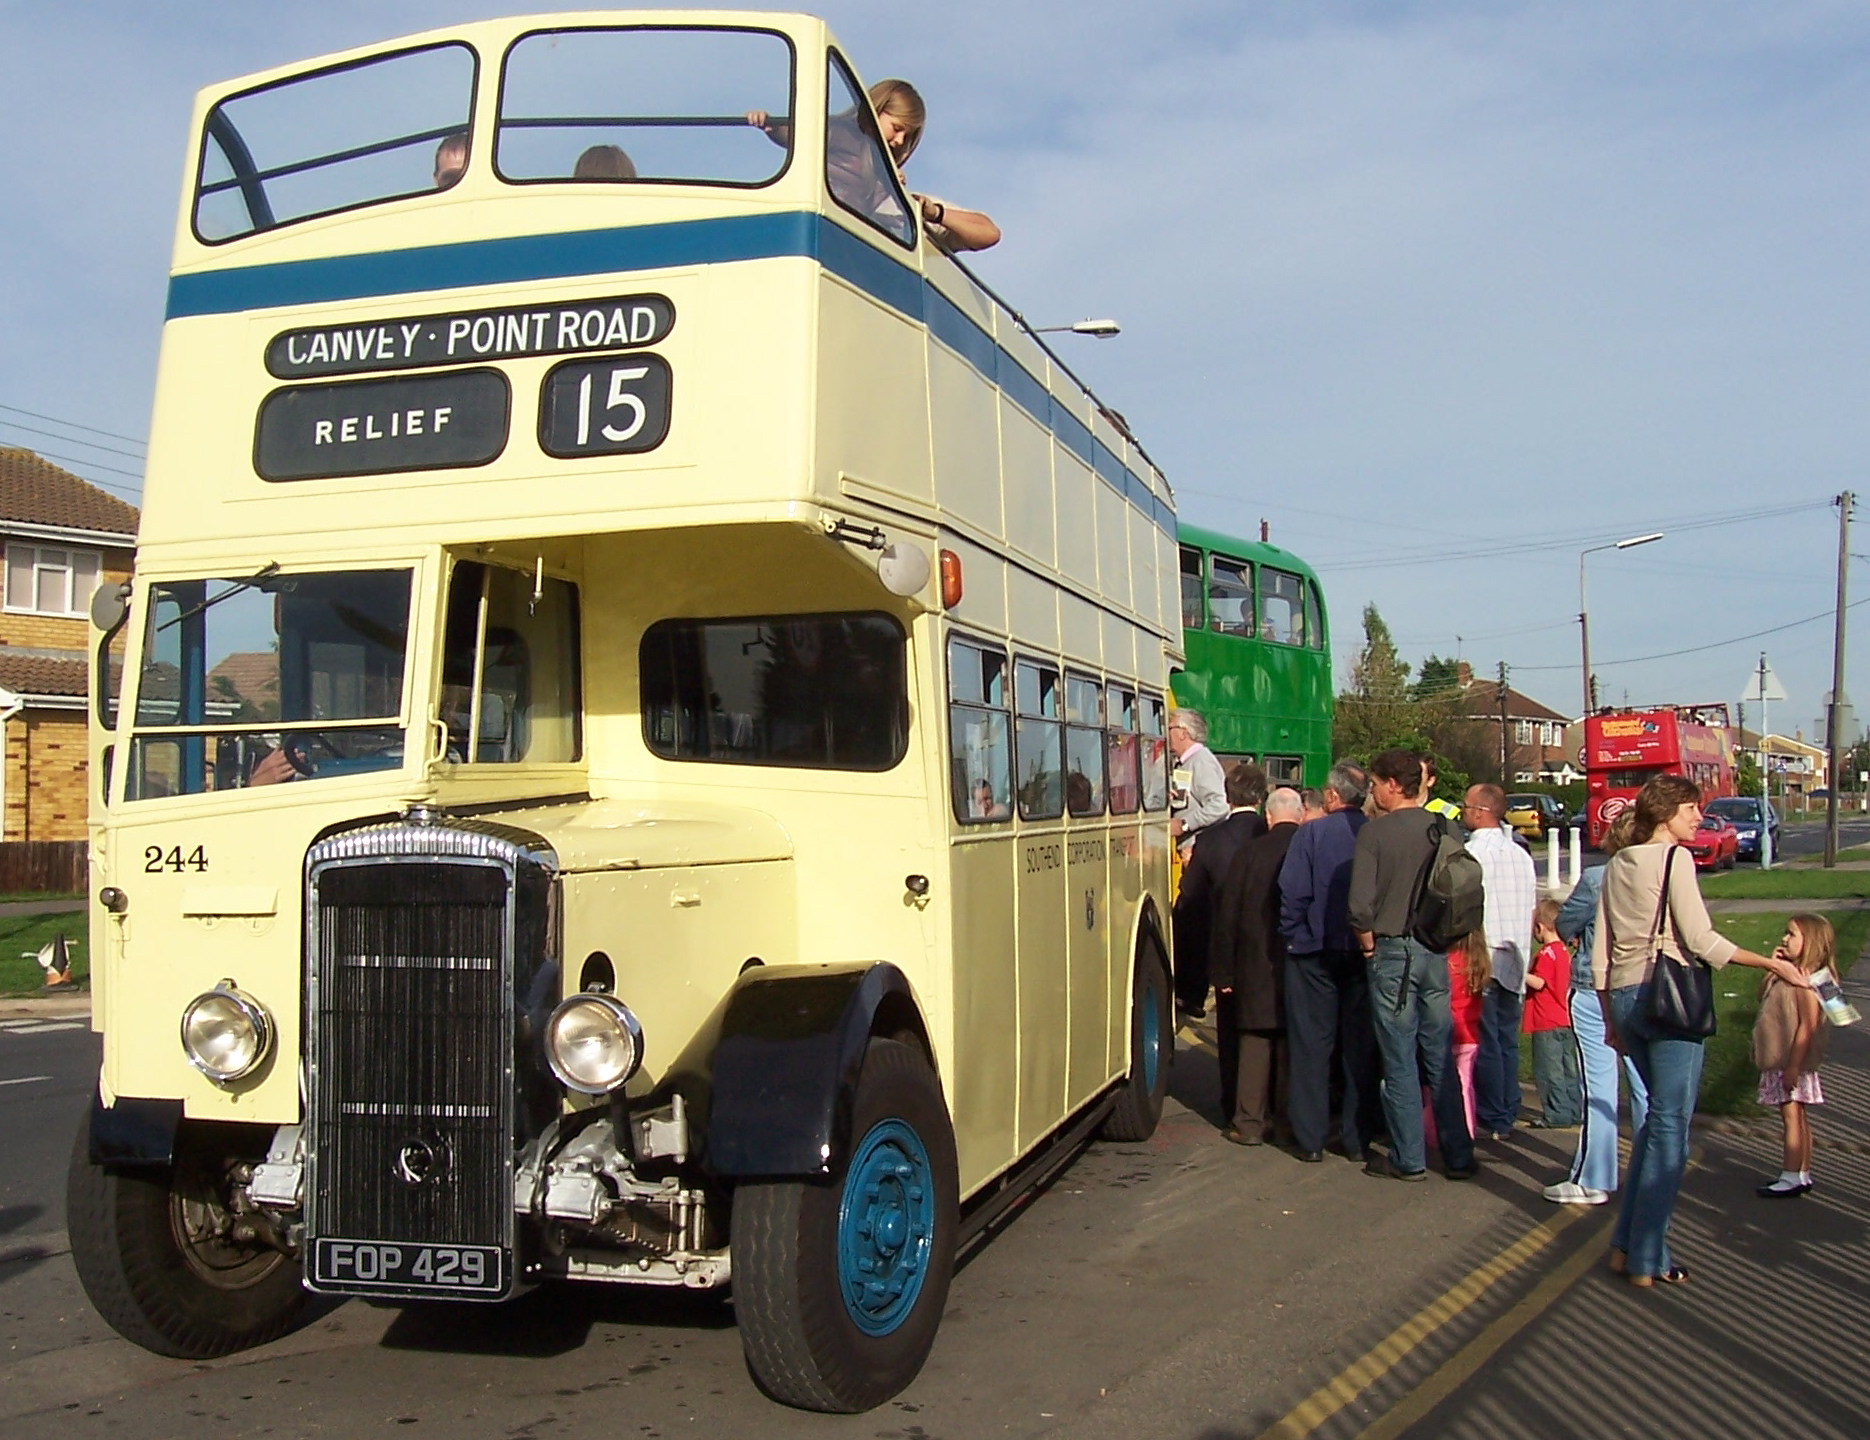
x: 648, y: 103
x: 824, y: 692
x: 861, y: 176
x: 1230, y: 596
x: 1282, y: 607
x: 381, y: 129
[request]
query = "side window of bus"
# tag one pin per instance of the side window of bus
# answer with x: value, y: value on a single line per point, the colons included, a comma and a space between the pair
x: 1084, y: 746
x: 1284, y: 770
x: 1155, y: 755
x: 1314, y: 620
x: 1121, y: 748
x: 858, y: 170
x: 649, y: 104
x: 1282, y: 607
x: 980, y: 751
x: 1230, y: 596
x: 527, y: 707
x: 821, y: 692
x: 1041, y: 778
x: 1192, y: 618
x: 383, y: 129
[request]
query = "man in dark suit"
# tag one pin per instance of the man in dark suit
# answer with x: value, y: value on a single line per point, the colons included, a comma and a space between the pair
x: 1247, y: 959
x: 1215, y: 847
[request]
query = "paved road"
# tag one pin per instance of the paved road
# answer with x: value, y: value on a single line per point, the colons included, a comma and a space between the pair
x: 1179, y: 1288
x: 1808, y: 838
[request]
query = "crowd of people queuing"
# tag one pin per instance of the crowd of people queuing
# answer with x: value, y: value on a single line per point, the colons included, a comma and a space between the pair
x: 1335, y: 1022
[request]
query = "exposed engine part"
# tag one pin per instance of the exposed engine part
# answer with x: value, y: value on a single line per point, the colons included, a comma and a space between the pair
x: 663, y: 1134
x: 278, y: 1180
x: 703, y: 1271
x: 591, y: 1188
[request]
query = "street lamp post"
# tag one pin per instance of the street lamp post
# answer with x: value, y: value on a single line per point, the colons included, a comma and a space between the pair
x: 1101, y: 329
x: 1584, y: 610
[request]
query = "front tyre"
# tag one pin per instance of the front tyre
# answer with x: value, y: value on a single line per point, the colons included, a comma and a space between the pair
x: 1152, y: 1045
x: 839, y: 1285
x: 163, y: 1259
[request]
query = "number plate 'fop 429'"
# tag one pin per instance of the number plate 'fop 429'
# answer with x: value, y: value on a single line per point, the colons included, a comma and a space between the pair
x: 380, y: 1267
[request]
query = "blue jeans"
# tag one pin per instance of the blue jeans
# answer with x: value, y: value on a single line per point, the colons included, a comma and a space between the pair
x: 1415, y: 1038
x: 1595, y: 1166
x: 1671, y: 1068
x: 1496, y: 1065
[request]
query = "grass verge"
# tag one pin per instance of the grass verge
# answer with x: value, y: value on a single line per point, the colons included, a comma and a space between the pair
x: 1790, y: 883
x: 21, y: 937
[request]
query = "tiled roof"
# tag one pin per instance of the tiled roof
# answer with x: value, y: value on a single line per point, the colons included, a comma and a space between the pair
x: 38, y: 675
x: 1482, y: 699
x: 38, y: 492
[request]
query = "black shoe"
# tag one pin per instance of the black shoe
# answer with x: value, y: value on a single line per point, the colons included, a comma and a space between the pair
x: 1189, y: 1014
x: 1384, y: 1169
x: 1241, y: 1137
x: 1791, y: 1192
x: 1311, y: 1157
x: 1462, y: 1172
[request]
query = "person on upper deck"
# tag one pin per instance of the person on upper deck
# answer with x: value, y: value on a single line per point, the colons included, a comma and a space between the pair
x: 451, y: 158
x: 604, y: 162
x: 901, y: 116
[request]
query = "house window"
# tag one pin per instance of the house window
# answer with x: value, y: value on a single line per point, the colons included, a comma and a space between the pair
x: 1522, y: 732
x: 43, y: 581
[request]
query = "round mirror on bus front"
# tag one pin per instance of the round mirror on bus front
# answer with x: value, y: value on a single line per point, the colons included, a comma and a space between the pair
x: 903, y: 569
x: 109, y: 604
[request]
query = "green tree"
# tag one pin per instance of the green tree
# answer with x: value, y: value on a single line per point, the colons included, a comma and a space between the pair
x: 1384, y: 708
x: 1437, y: 679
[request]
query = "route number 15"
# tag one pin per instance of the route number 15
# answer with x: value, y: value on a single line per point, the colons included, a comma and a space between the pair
x: 616, y: 406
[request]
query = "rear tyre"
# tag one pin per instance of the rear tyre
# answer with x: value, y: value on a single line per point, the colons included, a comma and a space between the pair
x: 1152, y: 1046
x: 157, y: 1253
x: 839, y: 1285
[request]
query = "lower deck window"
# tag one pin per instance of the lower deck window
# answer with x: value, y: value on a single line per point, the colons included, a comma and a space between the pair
x: 824, y: 692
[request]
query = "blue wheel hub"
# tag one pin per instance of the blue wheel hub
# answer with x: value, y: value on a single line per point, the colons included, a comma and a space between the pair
x: 886, y: 1227
x: 1152, y: 1037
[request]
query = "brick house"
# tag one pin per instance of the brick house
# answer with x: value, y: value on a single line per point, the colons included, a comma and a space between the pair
x: 64, y: 538
x: 1537, y: 749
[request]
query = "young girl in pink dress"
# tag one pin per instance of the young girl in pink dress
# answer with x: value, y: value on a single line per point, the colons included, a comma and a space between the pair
x: 1789, y: 1046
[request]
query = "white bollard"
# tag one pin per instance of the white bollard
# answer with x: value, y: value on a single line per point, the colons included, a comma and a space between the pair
x: 1577, y: 854
x: 1552, y: 878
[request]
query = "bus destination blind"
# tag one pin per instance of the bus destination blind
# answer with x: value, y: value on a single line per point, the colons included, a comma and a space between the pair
x: 380, y: 427
x: 470, y: 336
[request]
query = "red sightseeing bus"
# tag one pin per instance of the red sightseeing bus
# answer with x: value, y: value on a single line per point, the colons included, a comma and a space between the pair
x: 1624, y: 748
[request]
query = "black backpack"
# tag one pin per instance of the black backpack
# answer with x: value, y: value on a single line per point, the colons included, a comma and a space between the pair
x: 1450, y: 899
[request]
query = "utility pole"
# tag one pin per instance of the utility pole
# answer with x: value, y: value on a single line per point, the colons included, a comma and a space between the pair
x: 1766, y: 779
x: 1506, y: 768
x: 1833, y: 724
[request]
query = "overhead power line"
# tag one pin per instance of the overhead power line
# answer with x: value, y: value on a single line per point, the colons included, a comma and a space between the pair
x: 70, y: 439
x: 73, y: 425
x: 1713, y: 645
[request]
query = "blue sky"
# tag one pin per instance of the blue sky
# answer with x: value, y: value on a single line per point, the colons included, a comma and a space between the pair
x: 1442, y: 291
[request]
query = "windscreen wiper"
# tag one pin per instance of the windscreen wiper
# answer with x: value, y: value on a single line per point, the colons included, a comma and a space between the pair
x: 264, y: 573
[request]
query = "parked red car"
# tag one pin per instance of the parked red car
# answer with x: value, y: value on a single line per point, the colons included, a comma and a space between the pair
x: 1716, y: 845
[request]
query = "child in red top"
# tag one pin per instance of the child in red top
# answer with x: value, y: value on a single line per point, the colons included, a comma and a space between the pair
x: 1548, y: 1021
x: 1470, y: 967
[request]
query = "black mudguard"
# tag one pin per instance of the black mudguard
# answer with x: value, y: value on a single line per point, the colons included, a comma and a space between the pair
x: 134, y: 1134
x: 770, y: 1080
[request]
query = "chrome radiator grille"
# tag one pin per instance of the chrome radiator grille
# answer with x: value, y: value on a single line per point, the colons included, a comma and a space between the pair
x: 413, y: 1052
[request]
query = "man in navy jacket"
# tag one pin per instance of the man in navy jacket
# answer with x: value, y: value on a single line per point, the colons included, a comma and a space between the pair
x: 1327, y: 992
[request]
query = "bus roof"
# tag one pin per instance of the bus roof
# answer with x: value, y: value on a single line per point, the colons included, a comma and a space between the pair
x: 1259, y: 551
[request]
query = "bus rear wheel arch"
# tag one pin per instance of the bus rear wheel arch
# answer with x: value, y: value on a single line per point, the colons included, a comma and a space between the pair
x: 840, y: 1283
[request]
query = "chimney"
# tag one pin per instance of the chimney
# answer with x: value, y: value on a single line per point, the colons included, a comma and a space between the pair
x: 1463, y: 674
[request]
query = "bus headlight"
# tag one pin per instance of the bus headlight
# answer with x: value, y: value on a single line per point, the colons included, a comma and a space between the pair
x: 593, y: 1043
x: 226, y: 1033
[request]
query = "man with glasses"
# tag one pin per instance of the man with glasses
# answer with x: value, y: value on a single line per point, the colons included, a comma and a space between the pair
x: 1198, y: 786
x: 1512, y: 886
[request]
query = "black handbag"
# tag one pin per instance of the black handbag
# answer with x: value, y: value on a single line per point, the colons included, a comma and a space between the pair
x: 1678, y: 999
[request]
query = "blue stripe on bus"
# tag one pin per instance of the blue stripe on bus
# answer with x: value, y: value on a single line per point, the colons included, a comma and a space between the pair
x: 800, y: 234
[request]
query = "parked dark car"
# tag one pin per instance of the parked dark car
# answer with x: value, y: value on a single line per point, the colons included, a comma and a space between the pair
x: 1743, y: 813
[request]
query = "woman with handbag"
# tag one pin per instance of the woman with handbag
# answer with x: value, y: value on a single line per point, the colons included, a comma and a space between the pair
x: 1652, y: 962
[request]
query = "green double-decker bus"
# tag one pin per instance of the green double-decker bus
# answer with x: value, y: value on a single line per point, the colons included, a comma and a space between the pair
x: 1259, y: 655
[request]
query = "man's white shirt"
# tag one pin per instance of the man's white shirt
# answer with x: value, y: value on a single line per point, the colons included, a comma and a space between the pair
x: 1512, y: 886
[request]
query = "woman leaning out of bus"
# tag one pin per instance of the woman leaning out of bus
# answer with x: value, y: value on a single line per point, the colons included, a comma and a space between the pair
x: 900, y: 118
x: 1623, y: 956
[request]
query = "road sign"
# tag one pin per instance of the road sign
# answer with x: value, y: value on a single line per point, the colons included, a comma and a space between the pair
x: 1762, y: 685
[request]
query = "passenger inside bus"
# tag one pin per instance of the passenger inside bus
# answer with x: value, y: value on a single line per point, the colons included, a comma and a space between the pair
x: 451, y: 157
x: 604, y: 162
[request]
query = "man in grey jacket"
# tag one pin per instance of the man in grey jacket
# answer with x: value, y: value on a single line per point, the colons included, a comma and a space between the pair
x: 1198, y: 786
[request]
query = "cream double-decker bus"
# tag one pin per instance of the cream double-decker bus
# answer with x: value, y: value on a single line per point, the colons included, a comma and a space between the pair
x: 640, y: 757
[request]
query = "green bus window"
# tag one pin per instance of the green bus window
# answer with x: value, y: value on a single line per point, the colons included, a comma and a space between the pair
x: 816, y: 692
x: 1282, y: 607
x: 649, y: 104
x: 527, y: 708
x: 1155, y: 755
x: 1121, y: 750
x: 269, y: 678
x: 1041, y: 776
x: 1284, y: 770
x: 1230, y: 596
x: 980, y: 752
x: 1314, y: 621
x: 858, y: 170
x: 333, y: 140
x: 1192, y: 615
x: 1084, y: 746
